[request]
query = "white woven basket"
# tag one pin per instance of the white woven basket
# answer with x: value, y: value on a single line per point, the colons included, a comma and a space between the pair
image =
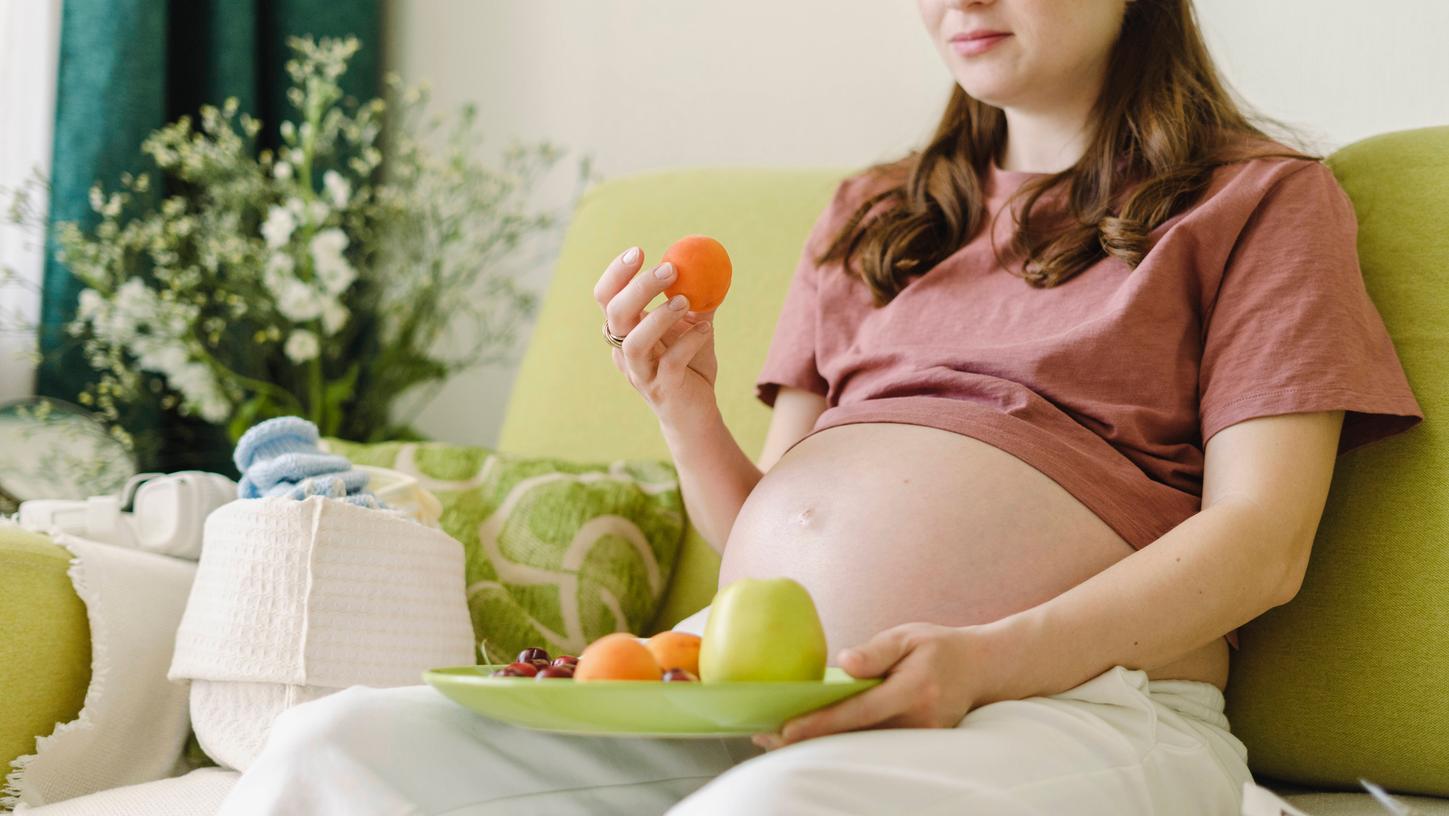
x: 296, y: 599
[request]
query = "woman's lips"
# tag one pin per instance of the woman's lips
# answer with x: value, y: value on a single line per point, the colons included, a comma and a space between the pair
x: 978, y: 45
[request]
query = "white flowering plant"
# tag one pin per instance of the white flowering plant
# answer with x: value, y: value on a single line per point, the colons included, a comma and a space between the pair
x: 323, y: 279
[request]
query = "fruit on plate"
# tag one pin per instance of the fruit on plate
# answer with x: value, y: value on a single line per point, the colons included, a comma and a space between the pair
x: 680, y: 676
x: 566, y: 660
x: 554, y: 672
x: 762, y: 629
x: 702, y: 271
x: 617, y: 656
x: 675, y: 650
x: 538, y: 657
x: 516, y: 670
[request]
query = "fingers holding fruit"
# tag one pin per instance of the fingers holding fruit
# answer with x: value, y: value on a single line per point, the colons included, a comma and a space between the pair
x: 667, y: 353
x: 927, y: 684
x: 625, y: 309
x: 616, y: 278
x: 645, y: 342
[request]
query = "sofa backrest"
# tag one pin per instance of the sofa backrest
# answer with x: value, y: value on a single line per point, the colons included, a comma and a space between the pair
x: 569, y: 401
x: 1351, y: 678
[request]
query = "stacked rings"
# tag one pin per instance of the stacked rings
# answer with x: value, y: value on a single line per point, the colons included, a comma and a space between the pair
x: 616, y: 342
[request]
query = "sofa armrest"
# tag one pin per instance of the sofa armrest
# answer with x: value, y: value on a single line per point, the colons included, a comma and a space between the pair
x: 45, y: 649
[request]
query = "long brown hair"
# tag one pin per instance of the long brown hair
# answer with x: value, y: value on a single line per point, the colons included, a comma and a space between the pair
x: 1164, y: 118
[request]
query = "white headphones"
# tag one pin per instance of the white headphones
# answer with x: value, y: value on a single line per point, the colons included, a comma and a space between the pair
x: 170, y: 510
x: 167, y: 518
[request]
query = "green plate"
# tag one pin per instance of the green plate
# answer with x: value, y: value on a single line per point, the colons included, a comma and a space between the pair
x: 640, y: 708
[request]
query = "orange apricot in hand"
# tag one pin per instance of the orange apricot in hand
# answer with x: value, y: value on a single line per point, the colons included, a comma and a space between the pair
x: 675, y: 650
x: 702, y: 271
x: 619, y: 656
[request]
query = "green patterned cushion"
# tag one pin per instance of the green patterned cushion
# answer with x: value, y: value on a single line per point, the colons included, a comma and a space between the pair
x: 559, y: 553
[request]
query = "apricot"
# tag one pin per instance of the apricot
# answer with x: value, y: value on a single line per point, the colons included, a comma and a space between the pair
x: 675, y: 650
x: 702, y: 271
x: 619, y: 656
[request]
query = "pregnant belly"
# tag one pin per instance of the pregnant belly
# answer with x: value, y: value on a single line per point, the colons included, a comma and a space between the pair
x: 887, y: 523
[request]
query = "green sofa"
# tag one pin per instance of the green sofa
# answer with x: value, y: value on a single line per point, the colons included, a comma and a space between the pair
x: 1349, y: 679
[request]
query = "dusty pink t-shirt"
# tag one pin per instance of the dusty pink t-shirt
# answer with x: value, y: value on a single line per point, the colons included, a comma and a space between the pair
x: 1250, y: 303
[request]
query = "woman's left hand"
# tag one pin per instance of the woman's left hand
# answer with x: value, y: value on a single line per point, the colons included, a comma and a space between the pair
x: 933, y: 675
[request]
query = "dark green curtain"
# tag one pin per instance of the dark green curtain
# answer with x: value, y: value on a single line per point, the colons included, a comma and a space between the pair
x: 128, y: 67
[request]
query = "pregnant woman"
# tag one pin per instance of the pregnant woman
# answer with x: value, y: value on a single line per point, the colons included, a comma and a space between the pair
x: 1056, y: 403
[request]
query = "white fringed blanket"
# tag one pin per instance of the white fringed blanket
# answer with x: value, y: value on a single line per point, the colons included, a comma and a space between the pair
x: 133, y: 724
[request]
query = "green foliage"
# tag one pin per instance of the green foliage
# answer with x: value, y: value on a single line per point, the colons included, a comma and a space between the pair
x: 353, y: 266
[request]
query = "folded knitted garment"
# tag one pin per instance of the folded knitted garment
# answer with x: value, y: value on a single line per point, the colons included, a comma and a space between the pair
x: 280, y: 457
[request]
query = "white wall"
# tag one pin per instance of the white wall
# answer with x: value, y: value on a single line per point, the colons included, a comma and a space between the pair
x: 644, y: 84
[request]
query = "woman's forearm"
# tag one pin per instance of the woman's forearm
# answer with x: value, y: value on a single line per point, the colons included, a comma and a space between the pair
x: 1217, y: 570
x: 715, y: 475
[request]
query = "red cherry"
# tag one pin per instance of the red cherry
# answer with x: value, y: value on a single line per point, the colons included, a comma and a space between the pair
x: 521, y: 669
x: 555, y: 671
x: 680, y: 676
x: 566, y: 660
x: 534, y: 655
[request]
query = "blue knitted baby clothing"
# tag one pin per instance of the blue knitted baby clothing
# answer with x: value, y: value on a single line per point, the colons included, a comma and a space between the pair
x: 280, y: 457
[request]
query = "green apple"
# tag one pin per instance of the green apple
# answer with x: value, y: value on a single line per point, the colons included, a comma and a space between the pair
x: 762, y: 629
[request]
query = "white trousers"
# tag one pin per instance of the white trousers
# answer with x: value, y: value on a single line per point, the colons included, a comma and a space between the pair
x: 1117, y: 745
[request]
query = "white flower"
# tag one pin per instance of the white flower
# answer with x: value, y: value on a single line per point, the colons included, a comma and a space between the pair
x: 278, y: 227
x: 337, y: 187
x: 297, y: 301
x: 278, y: 271
x: 195, y: 383
x: 133, y: 306
x: 334, y: 316
x: 295, y: 205
x: 317, y: 212
x: 91, y: 304
x: 282, y: 170
x: 333, y: 271
x: 302, y: 346
x: 215, y: 409
x: 329, y: 242
x: 163, y: 357
x: 281, y: 263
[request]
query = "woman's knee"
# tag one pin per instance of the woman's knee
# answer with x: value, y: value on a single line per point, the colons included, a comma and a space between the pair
x: 350, y: 717
x: 766, y: 785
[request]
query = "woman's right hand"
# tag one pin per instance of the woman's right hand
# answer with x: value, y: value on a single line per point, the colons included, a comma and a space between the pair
x: 668, y: 353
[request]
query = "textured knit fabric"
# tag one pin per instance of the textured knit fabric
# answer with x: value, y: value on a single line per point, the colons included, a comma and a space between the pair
x: 279, y: 457
x: 294, y: 600
x: 1249, y: 304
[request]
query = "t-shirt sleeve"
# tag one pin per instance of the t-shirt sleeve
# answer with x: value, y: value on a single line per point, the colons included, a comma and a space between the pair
x: 791, y: 358
x: 1292, y: 328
